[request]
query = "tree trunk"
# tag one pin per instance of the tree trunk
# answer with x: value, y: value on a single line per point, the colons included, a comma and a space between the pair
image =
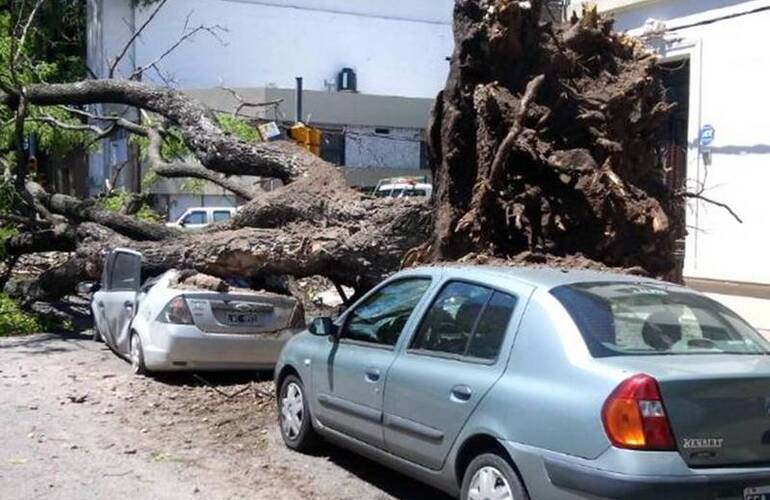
x: 543, y: 143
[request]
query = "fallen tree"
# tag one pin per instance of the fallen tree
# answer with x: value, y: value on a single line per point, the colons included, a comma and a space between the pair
x: 542, y: 145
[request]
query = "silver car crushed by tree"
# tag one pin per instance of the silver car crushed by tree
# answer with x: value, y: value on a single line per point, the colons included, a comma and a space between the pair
x: 538, y: 384
x: 166, y: 324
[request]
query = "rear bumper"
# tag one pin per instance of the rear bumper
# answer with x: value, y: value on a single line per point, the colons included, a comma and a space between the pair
x: 711, y: 484
x: 185, y: 347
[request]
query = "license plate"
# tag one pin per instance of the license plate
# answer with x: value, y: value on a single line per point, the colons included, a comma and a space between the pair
x: 758, y: 493
x: 243, y: 319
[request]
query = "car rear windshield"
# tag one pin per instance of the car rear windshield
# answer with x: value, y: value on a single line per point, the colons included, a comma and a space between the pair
x: 634, y: 319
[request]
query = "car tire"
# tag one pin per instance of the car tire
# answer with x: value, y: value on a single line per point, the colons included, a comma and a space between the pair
x: 488, y: 475
x: 137, y: 356
x: 294, y: 419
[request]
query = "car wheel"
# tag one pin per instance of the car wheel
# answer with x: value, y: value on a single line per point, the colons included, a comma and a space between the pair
x: 137, y: 356
x: 294, y: 416
x: 491, y: 476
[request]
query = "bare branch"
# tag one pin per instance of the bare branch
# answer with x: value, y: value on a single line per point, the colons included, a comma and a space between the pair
x: 710, y: 201
x: 187, y: 33
x: 17, y: 46
x: 242, y: 103
x: 50, y: 120
x: 132, y: 39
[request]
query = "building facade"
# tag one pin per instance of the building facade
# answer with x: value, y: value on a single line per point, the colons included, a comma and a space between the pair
x: 719, y: 50
x: 374, y: 119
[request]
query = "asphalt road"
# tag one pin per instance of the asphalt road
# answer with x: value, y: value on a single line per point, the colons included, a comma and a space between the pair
x: 75, y: 424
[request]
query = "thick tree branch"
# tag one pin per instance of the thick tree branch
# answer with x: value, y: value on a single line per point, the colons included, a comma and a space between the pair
x: 215, y: 149
x: 80, y: 211
x: 179, y: 169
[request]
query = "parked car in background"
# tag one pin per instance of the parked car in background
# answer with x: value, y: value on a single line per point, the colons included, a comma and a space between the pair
x: 538, y: 384
x: 404, y: 187
x: 167, y: 324
x: 200, y: 217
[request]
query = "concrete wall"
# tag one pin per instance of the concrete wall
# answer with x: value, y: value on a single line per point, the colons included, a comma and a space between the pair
x: 726, y: 42
x: 383, y: 148
x: 396, y: 47
x: 729, y: 60
x: 325, y: 108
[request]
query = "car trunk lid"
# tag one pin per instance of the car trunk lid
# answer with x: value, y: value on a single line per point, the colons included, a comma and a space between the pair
x: 718, y: 405
x: 244, y: 313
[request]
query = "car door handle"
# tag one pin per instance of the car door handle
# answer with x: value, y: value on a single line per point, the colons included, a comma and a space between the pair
x: 128, y: 304
x: 372, y: 374
x: 461, y: 393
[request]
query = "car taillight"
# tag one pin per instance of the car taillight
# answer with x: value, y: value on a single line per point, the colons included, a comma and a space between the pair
x: 177, y: 312
x: 634, y: 416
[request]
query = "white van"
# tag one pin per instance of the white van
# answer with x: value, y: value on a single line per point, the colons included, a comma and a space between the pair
x: 403, y: 187
x: 199, y: 217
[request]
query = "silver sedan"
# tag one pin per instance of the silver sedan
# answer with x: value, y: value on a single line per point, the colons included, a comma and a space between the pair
x: 538, y: 384
x: 162, y: 326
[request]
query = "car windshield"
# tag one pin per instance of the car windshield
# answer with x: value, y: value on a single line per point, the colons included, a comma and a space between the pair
x: 646, y: 319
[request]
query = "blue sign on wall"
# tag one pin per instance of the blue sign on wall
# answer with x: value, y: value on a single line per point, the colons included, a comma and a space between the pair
x: 707, y: 134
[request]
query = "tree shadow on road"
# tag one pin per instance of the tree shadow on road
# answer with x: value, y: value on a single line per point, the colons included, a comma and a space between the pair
x: 42, y: 343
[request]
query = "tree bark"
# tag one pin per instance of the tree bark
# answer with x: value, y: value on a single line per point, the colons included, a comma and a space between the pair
x: 543, y: 143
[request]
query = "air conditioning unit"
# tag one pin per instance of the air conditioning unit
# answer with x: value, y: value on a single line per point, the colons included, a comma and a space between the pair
x: 347, y: 81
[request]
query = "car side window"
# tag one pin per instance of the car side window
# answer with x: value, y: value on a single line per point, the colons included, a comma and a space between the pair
x: 465, y: 320
x: 490, y: 332
x: 197, y: 217
x: 381, y: 318
x: 221, y: 215
x: 125, y: 272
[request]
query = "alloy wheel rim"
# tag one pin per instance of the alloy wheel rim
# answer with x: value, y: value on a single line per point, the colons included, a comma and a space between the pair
x: 488, y: 483
x: 292, y: 411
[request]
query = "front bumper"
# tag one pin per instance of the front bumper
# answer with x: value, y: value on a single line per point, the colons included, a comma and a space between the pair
x: 185, y: 347
x: 703, y: 484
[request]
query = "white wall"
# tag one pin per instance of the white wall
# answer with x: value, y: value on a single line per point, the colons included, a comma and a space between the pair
x: 729, y: 90
x: 399, y: 148
x: 397, y: 47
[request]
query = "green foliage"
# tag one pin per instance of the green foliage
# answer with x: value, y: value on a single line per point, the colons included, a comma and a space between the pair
x: 241, y: 129
x: 54, y: 52
x: 6, y: 233
x: 173, y: 145
x: 9, y: 197
x: 15, y: 321
x: 149, y: 179
x: 118, y: 199
x: 193, y: 186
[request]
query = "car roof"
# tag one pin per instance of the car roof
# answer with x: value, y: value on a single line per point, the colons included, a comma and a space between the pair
x: 537, y: 277
x: 211, y: 208
x: 401, y: 185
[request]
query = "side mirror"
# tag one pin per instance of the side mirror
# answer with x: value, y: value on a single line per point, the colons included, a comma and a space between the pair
x: 182, y: 223
x: 323, y: 327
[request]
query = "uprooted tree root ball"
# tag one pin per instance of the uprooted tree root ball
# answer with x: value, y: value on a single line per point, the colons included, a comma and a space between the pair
x: 542, y: 144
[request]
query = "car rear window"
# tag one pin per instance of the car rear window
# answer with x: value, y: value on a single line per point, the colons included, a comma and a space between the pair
x: 618, y: 319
